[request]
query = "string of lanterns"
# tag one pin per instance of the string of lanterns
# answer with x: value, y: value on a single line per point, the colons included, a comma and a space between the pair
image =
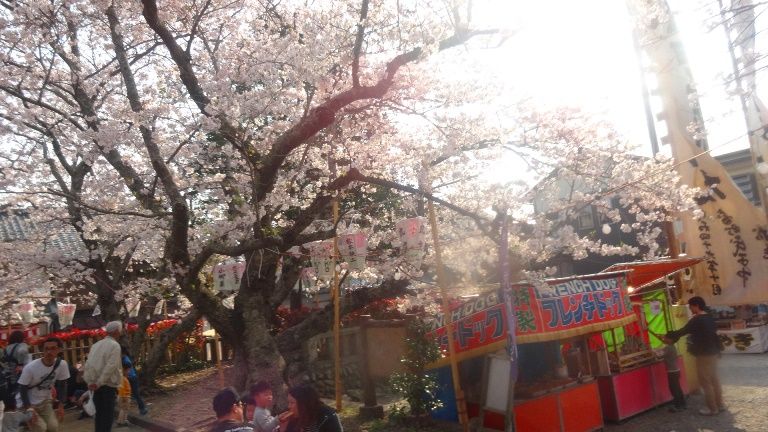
x: 353, y: 250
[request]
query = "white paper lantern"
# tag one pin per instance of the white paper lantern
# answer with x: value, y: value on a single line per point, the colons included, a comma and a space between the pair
x: 307, y: 278
x: 353, y: 248
x: 159, y: 308
x: 321, y: 255
x: 412, y: 233
x: 762, y: 168
x: 227, y: 276
x: 26, y: 311
x: 132, y: 305
x: 66, y: 313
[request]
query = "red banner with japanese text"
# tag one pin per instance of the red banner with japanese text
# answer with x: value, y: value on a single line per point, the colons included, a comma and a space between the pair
x: 553, y: 309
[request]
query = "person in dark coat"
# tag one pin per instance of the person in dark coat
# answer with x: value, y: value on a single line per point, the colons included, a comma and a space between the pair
x: 229, y: 412
x: 308, y: 413
x: 704, y: 346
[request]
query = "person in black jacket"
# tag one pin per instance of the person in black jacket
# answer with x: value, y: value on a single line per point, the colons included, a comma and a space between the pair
x: 229, y: 412
x: 704, y: 346
x: 308, y: 413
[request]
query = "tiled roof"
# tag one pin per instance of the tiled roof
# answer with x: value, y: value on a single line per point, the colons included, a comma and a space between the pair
x: 17, y: 225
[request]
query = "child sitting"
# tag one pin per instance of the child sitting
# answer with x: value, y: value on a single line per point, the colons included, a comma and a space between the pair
x: 263, y: 420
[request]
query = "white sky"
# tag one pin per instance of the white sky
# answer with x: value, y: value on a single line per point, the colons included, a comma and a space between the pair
x: 581, y: 53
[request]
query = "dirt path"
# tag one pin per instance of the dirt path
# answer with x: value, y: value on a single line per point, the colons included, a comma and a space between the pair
x: 186, y: 399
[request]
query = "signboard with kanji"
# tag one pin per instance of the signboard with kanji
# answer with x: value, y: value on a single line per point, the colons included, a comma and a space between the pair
x: 553, y: 309
x: 226, y: 277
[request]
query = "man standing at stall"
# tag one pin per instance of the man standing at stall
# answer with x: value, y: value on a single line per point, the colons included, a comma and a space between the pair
x: 104, y: 374
x: 704, y: 346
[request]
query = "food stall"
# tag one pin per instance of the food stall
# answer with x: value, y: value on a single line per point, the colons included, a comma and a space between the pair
x: 638, y: 378
x: 742, y: 329
x: 547, y: 367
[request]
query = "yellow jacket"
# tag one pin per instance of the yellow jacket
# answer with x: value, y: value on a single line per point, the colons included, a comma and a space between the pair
x: 125, y: 388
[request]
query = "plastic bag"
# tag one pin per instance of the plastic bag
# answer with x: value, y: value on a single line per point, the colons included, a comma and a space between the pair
x: 89, y: 407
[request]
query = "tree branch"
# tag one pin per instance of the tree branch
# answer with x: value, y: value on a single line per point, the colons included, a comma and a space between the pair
x: 320, y: 321
x: 356, y: 50
x: 480, y: 221
x: 156, y: 159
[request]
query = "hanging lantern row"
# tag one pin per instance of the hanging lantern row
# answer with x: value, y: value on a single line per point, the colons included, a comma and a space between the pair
x: 353, y: 249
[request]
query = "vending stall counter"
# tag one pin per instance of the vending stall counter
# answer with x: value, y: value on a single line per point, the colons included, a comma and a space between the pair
x: 542, y: 378
x: 633, y: 391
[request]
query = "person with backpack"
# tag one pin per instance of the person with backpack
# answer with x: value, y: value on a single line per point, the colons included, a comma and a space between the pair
x: 14, y: 357
x: 36, y: 383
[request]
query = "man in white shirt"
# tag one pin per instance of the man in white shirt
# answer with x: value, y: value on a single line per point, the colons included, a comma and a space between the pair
x: 37, y: 380
x: 104, y: 374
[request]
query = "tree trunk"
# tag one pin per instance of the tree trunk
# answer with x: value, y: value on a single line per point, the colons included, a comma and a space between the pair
x: 256, y: 352
x: 157, y: 352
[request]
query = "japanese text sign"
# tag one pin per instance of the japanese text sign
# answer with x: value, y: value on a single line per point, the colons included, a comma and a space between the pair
x: 551, y: 310
x: 226, y: 277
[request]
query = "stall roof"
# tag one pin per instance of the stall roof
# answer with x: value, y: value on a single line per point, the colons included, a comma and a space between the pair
x: 643, y: 273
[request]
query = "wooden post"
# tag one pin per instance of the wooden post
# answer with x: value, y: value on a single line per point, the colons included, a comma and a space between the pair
x: 441, y: 282
x: 336, y: 311
x: 674, y: 251
x: 218, y: 352
x: 371, y: 408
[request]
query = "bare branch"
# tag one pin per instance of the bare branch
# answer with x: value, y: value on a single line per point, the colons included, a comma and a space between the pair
x: 195, y: 24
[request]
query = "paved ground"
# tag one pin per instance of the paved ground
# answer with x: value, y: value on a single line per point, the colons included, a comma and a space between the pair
x: 744, y: 377
x: 745, y: 389
x: 72, y: 424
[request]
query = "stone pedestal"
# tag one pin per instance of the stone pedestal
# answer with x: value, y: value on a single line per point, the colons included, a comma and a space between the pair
x: 371, y: 412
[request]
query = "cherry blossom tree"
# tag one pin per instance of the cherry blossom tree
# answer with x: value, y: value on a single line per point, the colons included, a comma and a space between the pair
x: 173, y: 135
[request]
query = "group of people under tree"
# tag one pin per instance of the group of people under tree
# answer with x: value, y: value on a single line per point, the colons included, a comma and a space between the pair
x: 252, y: 413
x: 36, y: 392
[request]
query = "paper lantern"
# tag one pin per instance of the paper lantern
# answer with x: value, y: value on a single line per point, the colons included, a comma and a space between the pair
x: 227, y: 276
x: 321, y: 255
x: 353, y: 248
x: 26, y: 311
x: 66, y: 313
x: 412, y: 233
x: 132, y: 305
x: 307, y: 277
x: 159, y: 308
